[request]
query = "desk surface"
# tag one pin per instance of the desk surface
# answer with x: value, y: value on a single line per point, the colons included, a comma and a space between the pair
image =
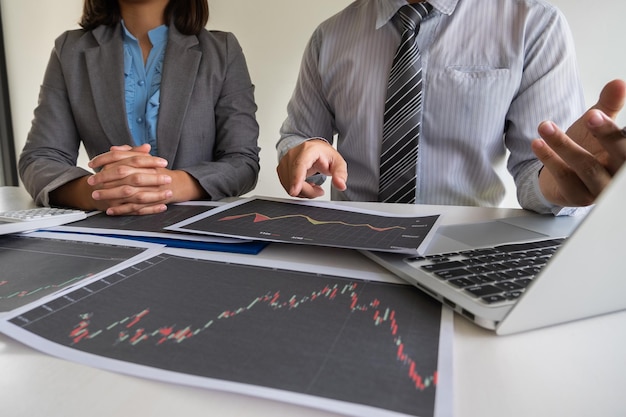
x: 576, y: 369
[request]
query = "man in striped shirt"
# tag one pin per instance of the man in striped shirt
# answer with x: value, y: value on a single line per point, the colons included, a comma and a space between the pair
x: 493, y: 71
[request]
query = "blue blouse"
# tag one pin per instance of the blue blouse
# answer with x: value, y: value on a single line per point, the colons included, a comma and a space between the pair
x: 143, y: 85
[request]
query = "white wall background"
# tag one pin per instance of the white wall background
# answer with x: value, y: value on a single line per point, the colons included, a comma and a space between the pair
x: 273, y: 35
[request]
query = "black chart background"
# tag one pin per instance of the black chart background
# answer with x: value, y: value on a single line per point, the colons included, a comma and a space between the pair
x: 320, y: 347
x: 152, y: 223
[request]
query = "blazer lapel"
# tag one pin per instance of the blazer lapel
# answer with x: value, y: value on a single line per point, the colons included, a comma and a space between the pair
x: 105, y: 66
x: 179, y: 77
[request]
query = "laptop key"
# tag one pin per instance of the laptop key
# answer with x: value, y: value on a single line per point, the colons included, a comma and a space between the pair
x: 482, y: 279
x: 533, y: 270
x: 462, y: 282
x: 474, y: 261
x: 483, y: 290
x: 513, y: 295
x: 499, y: 276
x: 517, y: 263
x: 494, y: 298
x: 509, y: 286
x: 520, y: 273
x: 453, y: 273
x: 443, y: 266
x: 480, y: 269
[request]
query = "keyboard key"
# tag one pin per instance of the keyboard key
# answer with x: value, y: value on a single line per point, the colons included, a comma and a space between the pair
x: 513, y: 295
x: 495, y: 298
x: 443, y: 266
x: 483, y: 290
x: 453, y: 273
x: 462, y: 282
x: 509, y: 286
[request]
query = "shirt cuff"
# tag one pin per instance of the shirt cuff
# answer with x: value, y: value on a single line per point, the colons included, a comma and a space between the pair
x: 544, y: 206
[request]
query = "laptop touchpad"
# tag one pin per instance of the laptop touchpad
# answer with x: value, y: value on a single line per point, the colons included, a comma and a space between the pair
x: 488, y: 233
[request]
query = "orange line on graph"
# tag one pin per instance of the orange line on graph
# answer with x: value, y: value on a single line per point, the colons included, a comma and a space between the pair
x: 262, y: 218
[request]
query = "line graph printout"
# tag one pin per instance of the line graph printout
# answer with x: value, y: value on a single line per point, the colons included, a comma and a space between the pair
x: 38, y: 264
x: 294, y: 221
x: 319, y: 340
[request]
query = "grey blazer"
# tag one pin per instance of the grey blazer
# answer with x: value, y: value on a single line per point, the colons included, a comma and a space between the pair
x: 206, y: 123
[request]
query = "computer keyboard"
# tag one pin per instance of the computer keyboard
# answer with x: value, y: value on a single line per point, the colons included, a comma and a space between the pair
x: 494, y: 275
x: 14, y: 221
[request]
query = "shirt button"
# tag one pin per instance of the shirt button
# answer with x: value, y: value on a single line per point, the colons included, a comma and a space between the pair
x: 141, y: 83
x: 139, y: 120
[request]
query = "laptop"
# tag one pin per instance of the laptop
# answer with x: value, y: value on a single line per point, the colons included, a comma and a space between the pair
x: 570, y: 268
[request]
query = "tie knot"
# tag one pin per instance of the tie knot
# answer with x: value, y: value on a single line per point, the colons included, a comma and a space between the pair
x: 410, y: 16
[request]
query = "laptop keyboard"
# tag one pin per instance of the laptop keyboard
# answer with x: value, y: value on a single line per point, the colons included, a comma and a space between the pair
x: 493, y: 275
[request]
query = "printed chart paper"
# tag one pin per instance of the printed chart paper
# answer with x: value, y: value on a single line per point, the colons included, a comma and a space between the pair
x: 152, y: 225
x: 38, y: 264
x: 151, y: 228
x: 326, y: 341
x: 314, y: 223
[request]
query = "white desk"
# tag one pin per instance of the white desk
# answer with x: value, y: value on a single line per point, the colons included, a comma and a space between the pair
x: 576, y: 369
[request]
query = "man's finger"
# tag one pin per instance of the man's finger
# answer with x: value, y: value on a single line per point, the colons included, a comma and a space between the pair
x: 612, y: 98
x: 310, y: 191
x: 612, y: 138
x: 564, y: 158
x: 561, y: 143
x: 339, y: 173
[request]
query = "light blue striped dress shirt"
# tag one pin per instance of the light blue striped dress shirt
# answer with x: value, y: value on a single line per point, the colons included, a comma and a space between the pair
x: 493, y: 70
x: 143, y: 85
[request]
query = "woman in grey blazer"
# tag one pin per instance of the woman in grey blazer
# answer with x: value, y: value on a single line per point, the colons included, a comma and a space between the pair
x: 178, y: 126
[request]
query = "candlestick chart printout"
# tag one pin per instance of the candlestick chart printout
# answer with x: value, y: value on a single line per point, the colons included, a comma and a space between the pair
x: 34, y: 266
x: 298, y: 222
x: 369, y: 343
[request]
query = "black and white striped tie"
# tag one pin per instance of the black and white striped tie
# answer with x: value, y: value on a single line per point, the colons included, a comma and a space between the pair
x: 403, y: 111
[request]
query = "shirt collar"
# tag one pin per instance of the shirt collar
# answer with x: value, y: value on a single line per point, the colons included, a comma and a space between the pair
x: 386, y: 9
x: 157, y: 36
